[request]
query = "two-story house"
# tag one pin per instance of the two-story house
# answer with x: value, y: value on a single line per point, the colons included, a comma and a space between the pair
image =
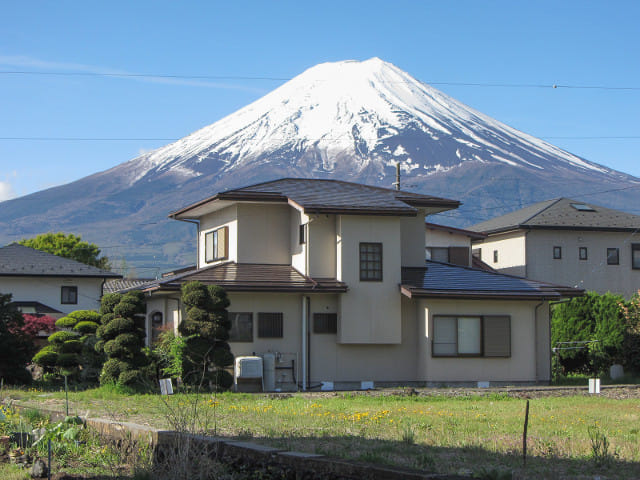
x: 567, y: 242
x: 334, y: 274
x: 40, y: 282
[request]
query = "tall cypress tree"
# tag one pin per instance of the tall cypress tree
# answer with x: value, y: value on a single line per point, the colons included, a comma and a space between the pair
x: 206, y: 331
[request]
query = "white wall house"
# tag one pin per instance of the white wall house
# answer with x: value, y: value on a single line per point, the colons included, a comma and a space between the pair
x: 331, y: 278
x: 40, y: 282
x: 566, y: 242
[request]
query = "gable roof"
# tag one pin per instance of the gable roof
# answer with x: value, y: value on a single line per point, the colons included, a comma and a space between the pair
x: 328, y: 196
x: 444, y: 280
x: 455, y: 231
x: 120, y: 284
x: 18, y: 260
x: 248, y: 277
x: 562, y: 214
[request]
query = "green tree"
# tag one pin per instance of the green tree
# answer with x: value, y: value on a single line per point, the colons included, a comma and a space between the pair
x: 68, y: 246
x: 121, y: 337
x: 205, y: 329
x: 591, y: 318
x: 631, y: 342
x: 16, y: 347
x: 71, y: 351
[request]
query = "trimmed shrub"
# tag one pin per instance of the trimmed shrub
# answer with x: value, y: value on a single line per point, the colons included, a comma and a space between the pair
x: 206, y: 353
x: 86, y: 327
x: 85, y: 316
x: 46, y: 358
x: 59, y: 338
x: 125, y: 309
x: 116, y: 327
x: 68, y: 360
x: 108, y: 301
x: 66, y: 322
x: 71, y: 346
x: 130, y: 378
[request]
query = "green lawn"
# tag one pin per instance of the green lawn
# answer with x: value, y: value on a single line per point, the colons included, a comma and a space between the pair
x: 436, y: 433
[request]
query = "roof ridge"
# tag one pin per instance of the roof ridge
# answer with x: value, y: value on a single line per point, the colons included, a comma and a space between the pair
x: 553, y: 202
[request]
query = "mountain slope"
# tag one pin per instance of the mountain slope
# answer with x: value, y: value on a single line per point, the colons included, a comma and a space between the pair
x: 349, y: 120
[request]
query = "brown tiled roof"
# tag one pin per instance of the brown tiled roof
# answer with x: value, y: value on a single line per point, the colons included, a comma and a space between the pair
x: 560, y: 214
x: 248, y: 277
x: 330, y: 196
x: 443, y: 280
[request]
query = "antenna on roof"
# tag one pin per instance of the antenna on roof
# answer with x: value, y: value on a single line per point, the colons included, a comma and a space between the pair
x: 397, y: 182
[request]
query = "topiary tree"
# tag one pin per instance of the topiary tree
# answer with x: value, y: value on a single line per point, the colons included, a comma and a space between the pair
x: 121, y: 337
x: 16, y: 347
x: 205, y: 329
x: 71, y: 351
x: 593, y: 317
x: 631, y: 341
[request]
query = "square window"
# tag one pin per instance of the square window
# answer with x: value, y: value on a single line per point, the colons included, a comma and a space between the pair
x: 635, y: 256
x: 438, y: 254
x: 270, y: 325
x: 582, y: 253
x: 69, y: 295
x: 325, y: 323
x: 371, y: 262
x: 215, y: 245
x: 613, y: 256
x: 241, y: 327
x: 557, y: 253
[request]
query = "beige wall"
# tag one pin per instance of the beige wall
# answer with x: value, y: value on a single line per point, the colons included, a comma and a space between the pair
x: 264, y: 233
x: 590, y: 274
x: 412, y: 240
x: 322, y: 246
x: 298, y: 250
x: 511, y: 249
x: 47, y: 290
x: 438, y: 238
x: 527, y: 363
x: 170, y: 308
x: 225, y: 217
x: 370, y: 311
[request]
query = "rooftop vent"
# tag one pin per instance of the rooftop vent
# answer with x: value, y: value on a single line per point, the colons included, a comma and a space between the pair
x: 582, y: 207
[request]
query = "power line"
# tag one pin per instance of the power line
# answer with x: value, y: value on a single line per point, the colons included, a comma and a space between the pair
x: 270, y: 78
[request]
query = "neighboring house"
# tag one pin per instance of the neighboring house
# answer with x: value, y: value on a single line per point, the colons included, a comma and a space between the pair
x: 330, y: 276
x: 40, y: 282
x: 567, y: 242
x: 452, y: 245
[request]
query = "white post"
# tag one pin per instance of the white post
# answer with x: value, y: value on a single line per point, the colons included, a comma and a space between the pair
x: 304, y: 343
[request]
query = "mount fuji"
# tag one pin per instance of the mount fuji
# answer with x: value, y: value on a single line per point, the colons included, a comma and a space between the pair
x: 347, y: 120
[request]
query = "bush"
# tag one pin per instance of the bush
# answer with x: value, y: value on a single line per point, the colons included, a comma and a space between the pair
x: 86, y: 327
x: 68, y: 360
x: 46, y: 358
x: 85, y: 316
x: 61, y: 337
x: 71, y: 346
x: 125, y: 309
x: 108, y: 301
x: 116, y: 327
x: 34, y: 324
x: 66, y: 322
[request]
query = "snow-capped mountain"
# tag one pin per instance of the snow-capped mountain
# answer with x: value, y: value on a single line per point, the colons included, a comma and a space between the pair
x: 350, y: 120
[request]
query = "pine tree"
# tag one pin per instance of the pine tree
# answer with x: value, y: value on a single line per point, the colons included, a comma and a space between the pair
x: 206, y: 331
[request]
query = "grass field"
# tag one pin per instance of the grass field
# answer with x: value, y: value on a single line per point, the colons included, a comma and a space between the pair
x: 568, y: 436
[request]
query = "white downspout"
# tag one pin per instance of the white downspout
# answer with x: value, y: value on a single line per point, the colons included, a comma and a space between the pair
x: 304, y: 343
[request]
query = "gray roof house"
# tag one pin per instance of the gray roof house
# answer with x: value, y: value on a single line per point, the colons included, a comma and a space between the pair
x: 44, y: 283
x: 331, y: 278
x: 566, y: 242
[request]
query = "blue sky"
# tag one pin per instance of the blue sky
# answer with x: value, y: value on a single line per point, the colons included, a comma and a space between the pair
x: 569, y: 43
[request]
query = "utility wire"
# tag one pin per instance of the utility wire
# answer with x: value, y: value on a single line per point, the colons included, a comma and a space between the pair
x: 269, y: 78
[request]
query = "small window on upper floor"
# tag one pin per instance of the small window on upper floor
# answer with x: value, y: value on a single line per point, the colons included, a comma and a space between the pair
x: 69, y: 295
x: 613, y: 256
x: 216, y: 245
x: 557, y: 253
x: 635, y: 256
x: 371, y: 262
x: 302, y: 233
x: 582, y: 253
x: 495, y: 256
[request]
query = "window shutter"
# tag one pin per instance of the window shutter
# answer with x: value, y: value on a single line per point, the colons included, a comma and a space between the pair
x: 497, y: 336
x: 459, y: 256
